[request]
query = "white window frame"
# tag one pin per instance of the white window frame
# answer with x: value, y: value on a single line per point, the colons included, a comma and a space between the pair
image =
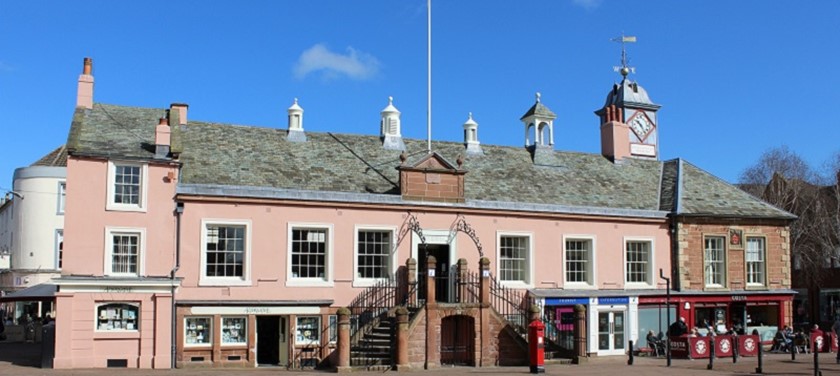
x: 327, y: 281
x: 392, y: 253
x: 725, y: 250
x: 144, y: 187
x: 529, y: 261
x: 244, y: 330
x: 96, y: 318
x: 210, y: 330
x: 591, y: 283
x: 651, y: 261
x: 245, y: 280
x: 62, y: 197
x: 109, y: 250
x: 59, y: 239
x: 763, y: 262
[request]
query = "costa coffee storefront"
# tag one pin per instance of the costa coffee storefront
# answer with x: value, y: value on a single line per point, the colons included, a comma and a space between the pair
x: 764, y: 311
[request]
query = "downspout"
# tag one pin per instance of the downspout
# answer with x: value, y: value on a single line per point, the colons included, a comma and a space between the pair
x: 179, y: 209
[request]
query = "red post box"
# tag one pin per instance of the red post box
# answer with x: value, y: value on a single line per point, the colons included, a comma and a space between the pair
x: 536, y: 346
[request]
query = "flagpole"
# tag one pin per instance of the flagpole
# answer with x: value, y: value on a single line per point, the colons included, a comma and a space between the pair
x: 429, y: 78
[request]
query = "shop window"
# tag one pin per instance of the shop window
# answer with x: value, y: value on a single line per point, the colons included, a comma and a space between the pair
x: 117, y: 317
x: 234, y: 331
x: 308, y: 330
x: 333, y: 328
x: 197, y: 331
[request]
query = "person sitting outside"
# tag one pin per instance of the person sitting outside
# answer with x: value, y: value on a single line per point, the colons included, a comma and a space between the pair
x: 836, y: 329
x: 780, y: 342
x: 655, y: 344
x: 678, y: 328
x: 695, y: 332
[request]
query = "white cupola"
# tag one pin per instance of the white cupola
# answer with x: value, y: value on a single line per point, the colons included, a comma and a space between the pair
x: 471, y: 137
x: 296, y: 133
x: 541, y: 120
x: 389, y: 127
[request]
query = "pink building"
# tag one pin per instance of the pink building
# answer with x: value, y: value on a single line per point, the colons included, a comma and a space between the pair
x: 194, y: 243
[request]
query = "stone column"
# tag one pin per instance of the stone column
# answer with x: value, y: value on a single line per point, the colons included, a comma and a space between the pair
x: 402, y: 339
x: 486, y: 358
x: 463, y: 274
x: 343, y: 345
x: 484, y: 285
x: 411, y: 274
x: 580, y: 334
x: 432, y: 320
x: 533, y: 313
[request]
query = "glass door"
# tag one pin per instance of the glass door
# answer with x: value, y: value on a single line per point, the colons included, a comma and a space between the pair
x: 611, y: 326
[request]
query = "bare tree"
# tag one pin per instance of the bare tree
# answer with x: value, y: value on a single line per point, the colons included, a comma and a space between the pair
x: 782, y: 178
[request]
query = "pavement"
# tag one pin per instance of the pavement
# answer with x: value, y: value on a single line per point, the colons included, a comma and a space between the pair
x: 24, y: 359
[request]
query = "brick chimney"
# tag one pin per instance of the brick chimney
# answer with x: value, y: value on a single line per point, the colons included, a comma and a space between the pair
x: 84, y: 94
x: 163, y: 138
x: 179, y: 110
x: 614, y: 135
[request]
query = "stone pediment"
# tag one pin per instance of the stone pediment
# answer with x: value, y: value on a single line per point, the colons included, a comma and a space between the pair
x: 431, y: 178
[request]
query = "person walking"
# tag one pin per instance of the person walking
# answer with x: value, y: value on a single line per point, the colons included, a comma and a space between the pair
x: 836, y: 329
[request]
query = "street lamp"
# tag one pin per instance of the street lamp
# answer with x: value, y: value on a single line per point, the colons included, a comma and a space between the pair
x: 667, y: 315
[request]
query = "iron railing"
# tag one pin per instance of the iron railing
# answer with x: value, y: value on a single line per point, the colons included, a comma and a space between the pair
x: 513, y: 305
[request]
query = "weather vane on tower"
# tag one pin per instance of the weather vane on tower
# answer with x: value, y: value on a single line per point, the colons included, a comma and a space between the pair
x: 624, y: 69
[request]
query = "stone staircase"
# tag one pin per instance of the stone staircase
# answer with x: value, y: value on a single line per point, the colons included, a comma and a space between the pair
x: 374, y: 350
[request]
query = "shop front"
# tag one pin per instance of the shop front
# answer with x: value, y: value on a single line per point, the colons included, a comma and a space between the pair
x: 745, y: 311
x: 255, y: 334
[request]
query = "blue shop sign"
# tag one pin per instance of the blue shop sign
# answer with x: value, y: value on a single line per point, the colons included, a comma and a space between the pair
x: 566, y: 301
x: 614, y: 300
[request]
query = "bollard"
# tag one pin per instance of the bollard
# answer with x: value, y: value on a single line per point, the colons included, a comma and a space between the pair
x: 735, y: 347
x: 630, y: 360
x: 760, y: 368
x: 816, y: 352
x: 793, y: 350
x: 711, y: 353
x: 668, y: 351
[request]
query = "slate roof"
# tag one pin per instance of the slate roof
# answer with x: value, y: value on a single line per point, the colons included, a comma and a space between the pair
x: 56, y: 158
x: 234, y: 155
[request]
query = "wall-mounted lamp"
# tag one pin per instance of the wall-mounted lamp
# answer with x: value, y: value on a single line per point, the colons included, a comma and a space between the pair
x: 687, y: 305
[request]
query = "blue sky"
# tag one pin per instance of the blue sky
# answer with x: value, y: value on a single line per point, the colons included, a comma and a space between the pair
x: 734, y: 78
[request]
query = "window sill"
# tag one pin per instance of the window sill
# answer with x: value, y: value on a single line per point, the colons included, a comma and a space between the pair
x: 516, y: 284
x: 125, y: 208
x: 197, y: 346
x: 309, y: 283
x: 224, y: 282
x: 756, y: 287
x: 367, y: 282
x: 117, y: 334
x: 578, y: 285
x: 638, y: 286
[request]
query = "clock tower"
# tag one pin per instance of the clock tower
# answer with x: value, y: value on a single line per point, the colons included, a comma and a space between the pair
x: 629, y: 123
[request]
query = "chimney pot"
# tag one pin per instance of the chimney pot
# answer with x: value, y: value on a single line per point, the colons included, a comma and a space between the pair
x: 88, y: 66
x: 163, y: 121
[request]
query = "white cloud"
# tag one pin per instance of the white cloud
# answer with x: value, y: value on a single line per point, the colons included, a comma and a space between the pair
x: 588, y: 4
x: 354, y: 64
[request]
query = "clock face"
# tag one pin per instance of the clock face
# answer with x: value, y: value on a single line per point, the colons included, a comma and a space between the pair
x: 641, y: 125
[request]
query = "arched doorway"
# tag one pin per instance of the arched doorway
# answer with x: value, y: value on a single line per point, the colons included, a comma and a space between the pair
x: 457, y: 345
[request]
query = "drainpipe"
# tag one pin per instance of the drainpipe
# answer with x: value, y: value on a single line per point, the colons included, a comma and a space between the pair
x: 179, y: 209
